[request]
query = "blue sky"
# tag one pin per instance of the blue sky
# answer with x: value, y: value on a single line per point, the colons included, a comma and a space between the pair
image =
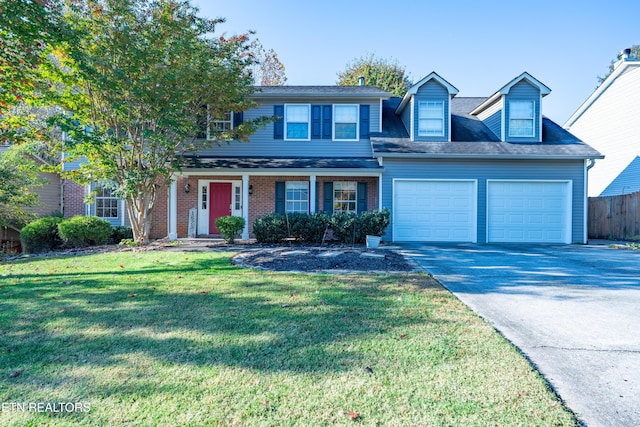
x: 478, y: 46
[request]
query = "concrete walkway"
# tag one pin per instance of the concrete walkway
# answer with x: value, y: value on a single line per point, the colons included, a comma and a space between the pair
x: 574, y: 310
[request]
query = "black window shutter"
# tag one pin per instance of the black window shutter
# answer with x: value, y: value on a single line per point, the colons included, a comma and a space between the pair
x: 364, y: 121
x: 278, y: 126
x: 238, y: 118
x: 316, y: 122
x: 317, y: 198
x: 328, y: 198
x: 362, y: 197
x: 280, y: 197
x: 327, y: 124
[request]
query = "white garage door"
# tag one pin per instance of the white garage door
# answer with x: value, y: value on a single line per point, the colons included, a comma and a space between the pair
x: 529, y: 211
x: 434, y: 211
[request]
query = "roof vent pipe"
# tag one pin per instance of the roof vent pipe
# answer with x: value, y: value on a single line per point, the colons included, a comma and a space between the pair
x: 361, y: 81
x: 625, y: 55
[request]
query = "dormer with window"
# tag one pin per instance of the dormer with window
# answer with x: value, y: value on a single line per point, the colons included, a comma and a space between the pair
x: 514, y: 113
x: 425, y: 109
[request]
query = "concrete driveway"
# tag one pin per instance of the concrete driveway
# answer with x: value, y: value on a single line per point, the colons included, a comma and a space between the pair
x: 574, y: 310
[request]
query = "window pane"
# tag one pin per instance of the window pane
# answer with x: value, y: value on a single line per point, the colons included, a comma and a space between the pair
x: 346, y: 113
x: 344, y: 196
x: 297, y: 130
x: 521, y: 109
x: 431, y: 118
x: 297, y: 113
x: 521, y: 127
x: 297, y: 197
x: 345, y: 131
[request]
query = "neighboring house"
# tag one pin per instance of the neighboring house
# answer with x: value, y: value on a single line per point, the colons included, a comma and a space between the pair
x: 608, y: 121
x: 449, y: 168
x: 50, y: 197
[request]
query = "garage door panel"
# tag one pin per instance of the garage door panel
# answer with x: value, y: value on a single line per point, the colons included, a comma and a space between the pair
x: 434, y: 211
x: 531, y: 211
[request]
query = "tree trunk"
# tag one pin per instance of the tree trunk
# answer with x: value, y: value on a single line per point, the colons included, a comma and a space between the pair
x: 140, y: 207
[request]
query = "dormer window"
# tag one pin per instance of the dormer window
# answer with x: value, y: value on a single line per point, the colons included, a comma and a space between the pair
x: 296, y: 121
x: 521, y: 119
x: 431, y: 118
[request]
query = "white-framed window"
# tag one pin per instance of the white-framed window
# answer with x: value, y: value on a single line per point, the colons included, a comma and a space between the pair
x: 297, y: 119
x: 297, y: 197
x: 106, y: 203
x: 431, y: 118
x: 521, y: 118
x: 221, y: 124
x: 205, y: 197
x: 345, y: 122
x: 345, y: 196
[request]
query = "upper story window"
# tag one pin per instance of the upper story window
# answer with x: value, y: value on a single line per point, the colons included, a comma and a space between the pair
x: 296, y: 122
x: 431, y: 118
x: 297, y: 197
x: 345, y: 122
x: 106, y: 203
x: 221, y: 124
x: 344, y: 196
x: 521, y: 118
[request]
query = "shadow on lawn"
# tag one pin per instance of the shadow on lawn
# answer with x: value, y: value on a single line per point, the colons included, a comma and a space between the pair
x: 261, y: 321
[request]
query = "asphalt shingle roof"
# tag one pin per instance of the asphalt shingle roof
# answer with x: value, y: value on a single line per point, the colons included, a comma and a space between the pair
x: 471, y: 138
x: 279, y: 163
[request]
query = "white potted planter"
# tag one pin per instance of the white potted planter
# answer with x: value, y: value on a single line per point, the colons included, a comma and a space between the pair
x: 373, y: 241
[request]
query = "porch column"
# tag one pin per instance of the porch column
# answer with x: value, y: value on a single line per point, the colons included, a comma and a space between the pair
x: 245, y: 206
x: 312, y: 193
x: 380, y: 192
x: 173, y: 210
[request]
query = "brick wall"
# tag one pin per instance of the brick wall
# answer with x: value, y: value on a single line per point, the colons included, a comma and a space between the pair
x: 73, y: 199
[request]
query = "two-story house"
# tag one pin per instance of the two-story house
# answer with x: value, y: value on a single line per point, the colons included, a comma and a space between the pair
x: 608, y: 121
x: 449, y: 168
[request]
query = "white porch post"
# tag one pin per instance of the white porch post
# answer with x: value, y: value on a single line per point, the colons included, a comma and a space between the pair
x: 312, y: 193
x: 173, y: 210
x: 245, y: 206
x: 380, y: 192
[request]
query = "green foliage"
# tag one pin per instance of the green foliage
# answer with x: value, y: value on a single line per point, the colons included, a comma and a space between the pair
x: 230, y: 227
x: 19, y: 175
x: 41, y: 235
x: 308, y: 227
x: 382, y: 73
x: 270, y: 228
x: 635, y: 53
x: 133, y: 84
x: 347, y: 227
x: 128, y: 243
x: 120, y: 233
x: 81, y: 231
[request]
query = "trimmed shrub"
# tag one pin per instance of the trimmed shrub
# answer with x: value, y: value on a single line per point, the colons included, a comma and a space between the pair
x: 308, y: 228
x: 41, y: 235
x: 230, y: 227
x: 119, y: 233
x: 270, y: 228
x: 82, y: 231
x: 372, y: 223
x: 344, y: 227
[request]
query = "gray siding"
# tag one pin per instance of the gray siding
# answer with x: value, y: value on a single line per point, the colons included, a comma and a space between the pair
x: 50, y: 194
x: 432, y: 91
x: 481, y: 170
x: 525, y: 92
x: 494, y: 122
x: 405, y: 115
x: 262, y: 143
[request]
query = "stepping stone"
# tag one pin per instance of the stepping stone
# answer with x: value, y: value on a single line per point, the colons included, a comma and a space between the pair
x: 294, y: 253
x: 330, y: 254
x: 371, y: 255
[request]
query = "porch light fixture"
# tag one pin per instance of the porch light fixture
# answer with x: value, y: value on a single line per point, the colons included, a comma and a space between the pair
x: 187, y: 188
x: 250, y: 189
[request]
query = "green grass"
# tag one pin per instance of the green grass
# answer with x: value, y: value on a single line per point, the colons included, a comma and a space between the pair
x: 175, y: 338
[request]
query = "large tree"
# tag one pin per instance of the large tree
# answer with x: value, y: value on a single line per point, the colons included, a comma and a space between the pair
x: 267, y: 70
x: 133, y: 85
x: 635, y: 53
x: 382, y: 73
x: 18, y: 175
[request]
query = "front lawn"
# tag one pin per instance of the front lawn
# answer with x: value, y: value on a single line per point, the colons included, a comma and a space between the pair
x: 177, y: 338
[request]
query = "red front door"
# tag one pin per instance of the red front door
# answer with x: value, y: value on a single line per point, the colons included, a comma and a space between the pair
x: 220, y: 204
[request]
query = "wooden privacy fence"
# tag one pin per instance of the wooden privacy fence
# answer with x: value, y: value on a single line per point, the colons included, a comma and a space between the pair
x: 615, y: 217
